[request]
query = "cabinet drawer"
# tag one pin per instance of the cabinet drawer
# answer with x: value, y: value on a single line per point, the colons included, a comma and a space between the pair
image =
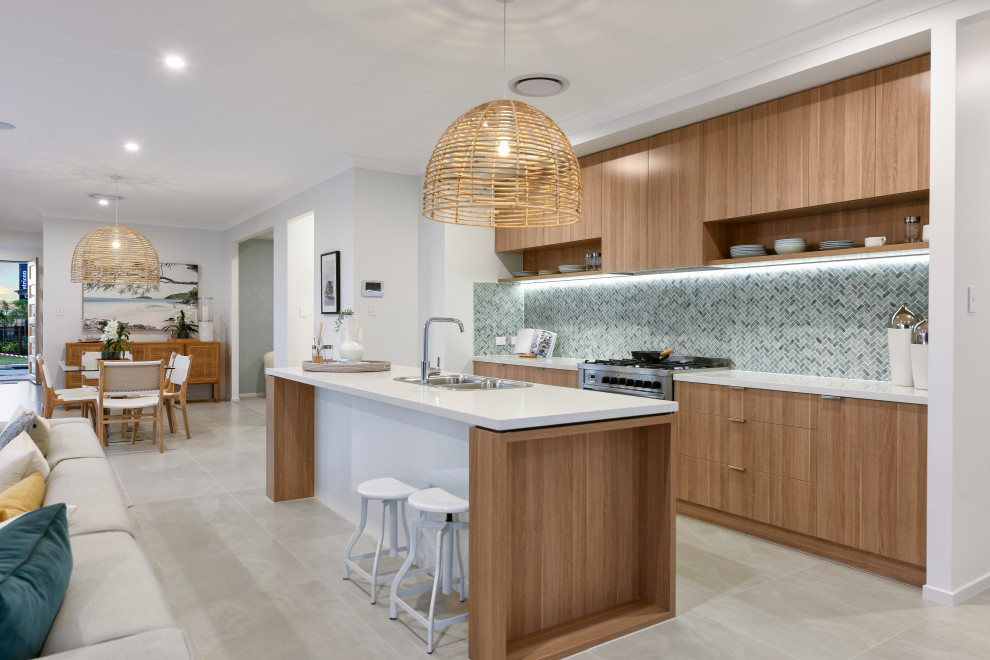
x: 770, y: 406
x: 785, y: 451
x: 693, y: 479
x: 794, y: 505
x: 741, y: 491
x: 489, y: 369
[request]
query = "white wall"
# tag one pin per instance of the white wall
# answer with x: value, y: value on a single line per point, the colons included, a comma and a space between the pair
x: 300, y: 308
x: 20, y: 245
x: 959, y: 451
x: 194, y: 246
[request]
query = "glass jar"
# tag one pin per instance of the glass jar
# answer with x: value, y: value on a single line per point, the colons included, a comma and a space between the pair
x: 317, y: 357
x: 326, y: 352
x: 912, y: 229
x: 206, y: 309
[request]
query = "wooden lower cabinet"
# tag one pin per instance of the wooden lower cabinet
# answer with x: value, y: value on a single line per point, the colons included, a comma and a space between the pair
x: 851, y: 487
x: 540, y: 375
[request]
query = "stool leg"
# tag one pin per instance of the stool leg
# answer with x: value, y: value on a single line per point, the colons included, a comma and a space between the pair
x: 436, y: 583
x: 393, y: 529
x: 448, y: 562
x: 405, y: 523
x: 462, y: 585
x: 393, y: 610
x: 357, y: 535
x: 378, y: 556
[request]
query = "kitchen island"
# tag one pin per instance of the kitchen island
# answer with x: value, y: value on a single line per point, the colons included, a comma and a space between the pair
x: 571, y: 491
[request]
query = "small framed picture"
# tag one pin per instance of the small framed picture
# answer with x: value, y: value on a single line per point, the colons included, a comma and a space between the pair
x: 330, y: 282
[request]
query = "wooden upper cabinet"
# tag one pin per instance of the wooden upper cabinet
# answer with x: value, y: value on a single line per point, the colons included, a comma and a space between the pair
x: 781, y: 152
x: 871, y: 476
x: 728, y: 165
x: 676, y: 199
x: 843, y: 140
x: 625, y: 201
x: 903, y: 118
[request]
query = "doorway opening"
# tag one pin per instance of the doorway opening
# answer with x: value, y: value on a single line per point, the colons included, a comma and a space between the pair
x: 15, y: 344
x: 255, y: 295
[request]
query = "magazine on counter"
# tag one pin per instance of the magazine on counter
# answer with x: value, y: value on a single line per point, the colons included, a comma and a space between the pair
x: 535, y: 341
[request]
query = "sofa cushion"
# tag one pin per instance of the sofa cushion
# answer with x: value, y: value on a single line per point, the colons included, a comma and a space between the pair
x: 20, y: 421
x: 90, y: 484
x: 113, y: 593
x: 13, y: 467
x: 73, y: 441
x: 26, y: 495
x: 24, y: 443
x: 35, y: 564
x: 166, y: 644
x: 41, y: 433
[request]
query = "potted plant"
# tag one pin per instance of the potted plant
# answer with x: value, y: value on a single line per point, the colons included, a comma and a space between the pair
x: 179, y: 324
x: 115, y: 338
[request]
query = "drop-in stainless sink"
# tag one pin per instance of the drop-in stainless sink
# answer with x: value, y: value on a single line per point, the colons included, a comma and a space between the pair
x: 464, y: 382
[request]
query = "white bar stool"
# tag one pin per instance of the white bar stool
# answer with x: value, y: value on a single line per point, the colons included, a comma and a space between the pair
x: 393, y: 494
x: 433, y: 500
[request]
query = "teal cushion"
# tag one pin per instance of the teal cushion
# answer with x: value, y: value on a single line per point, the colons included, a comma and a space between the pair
x: 16, y: 426
x: 35, y: 564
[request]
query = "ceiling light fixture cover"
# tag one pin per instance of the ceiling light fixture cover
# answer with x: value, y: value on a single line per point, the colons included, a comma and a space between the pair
x: 113, y: 255
x: 4, y: 126
x: 503, y: 164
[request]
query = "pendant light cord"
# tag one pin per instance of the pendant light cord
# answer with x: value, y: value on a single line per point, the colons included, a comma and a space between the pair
x: 505, y: 80
x: 115, y: 202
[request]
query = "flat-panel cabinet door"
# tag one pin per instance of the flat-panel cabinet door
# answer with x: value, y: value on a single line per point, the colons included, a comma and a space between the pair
x: 871, y: 487
x: 728, y: 165
x: 625, y: 185
x: 676, y: 199
x: 843, y: 140
x: 903, y: 124
x: 741, y: 491
x: 489, y: 369
x: 781, y: 148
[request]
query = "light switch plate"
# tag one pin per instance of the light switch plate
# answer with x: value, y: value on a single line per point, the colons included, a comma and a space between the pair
x: 302, y: 312
x: 372, y: 309
x: 500, y: 341
x: 971, y: 299
x: 59, y: 311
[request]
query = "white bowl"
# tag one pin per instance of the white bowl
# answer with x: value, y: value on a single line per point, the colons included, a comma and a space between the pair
x: 781, y: 249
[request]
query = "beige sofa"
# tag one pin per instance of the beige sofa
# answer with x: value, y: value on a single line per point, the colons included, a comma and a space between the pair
x: 114, y: 607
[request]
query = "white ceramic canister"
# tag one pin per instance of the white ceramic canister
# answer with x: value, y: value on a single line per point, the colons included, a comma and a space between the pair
x: 919, y: 354
x: 899, y: 346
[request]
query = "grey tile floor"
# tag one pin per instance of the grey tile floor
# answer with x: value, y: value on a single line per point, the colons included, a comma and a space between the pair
x: 251, y: 579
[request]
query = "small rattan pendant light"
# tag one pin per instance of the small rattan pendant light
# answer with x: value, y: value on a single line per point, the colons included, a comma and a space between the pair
x: 114, y: 255
x: 503, y: 164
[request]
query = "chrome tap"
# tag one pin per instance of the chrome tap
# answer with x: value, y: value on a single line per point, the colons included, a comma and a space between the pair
x: 425, y: 371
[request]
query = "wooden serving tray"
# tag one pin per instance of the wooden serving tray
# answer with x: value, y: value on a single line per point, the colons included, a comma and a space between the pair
x: 348, y: 367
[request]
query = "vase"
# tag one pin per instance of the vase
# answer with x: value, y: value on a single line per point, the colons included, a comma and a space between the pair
x: 351, y: 350
x: 110, y: 355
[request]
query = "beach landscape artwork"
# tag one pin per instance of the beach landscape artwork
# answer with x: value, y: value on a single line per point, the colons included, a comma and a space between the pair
x: 142, y: 307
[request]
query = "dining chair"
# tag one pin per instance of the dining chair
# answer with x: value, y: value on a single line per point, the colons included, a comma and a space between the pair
x: 84, y: 396
x: 90, y: 365
x: 126, y: 390
x: 175, y: 394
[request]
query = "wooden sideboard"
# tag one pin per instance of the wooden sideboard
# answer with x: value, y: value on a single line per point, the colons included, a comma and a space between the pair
x: 205, y: 360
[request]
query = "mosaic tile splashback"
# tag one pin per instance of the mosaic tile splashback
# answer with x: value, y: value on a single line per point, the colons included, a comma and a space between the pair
x: 498, y: 312
x: 822, y: 320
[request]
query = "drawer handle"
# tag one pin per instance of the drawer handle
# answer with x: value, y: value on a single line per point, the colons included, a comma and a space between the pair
x: 736, y: 387
x: 737, y: 468
x: 737, y: 420
x: 831, y: 397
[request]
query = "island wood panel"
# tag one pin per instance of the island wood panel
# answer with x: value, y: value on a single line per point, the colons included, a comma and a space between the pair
x: 843, y: 140
x: 625, y: 202
x: 728, y: 165
x: 852, y: 224
x: 581, y: 517
x: 781, y: 152
x: 903, y: 126
x: 290, y: 435
x: 676, y: 190
x: 872, y: 477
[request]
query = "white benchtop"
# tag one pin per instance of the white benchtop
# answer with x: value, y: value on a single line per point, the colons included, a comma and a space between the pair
x: 498, y: 410
x: 567, y: 364
x: 844, y: 387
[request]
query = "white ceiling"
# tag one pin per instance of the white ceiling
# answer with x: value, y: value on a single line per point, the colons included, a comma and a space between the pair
x: 281, y: 95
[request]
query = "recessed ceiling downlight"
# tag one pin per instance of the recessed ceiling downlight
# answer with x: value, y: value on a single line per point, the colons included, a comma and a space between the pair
x: 539, y: 84
x: 104, y: 199
x: 175, y: 62
x: 4, y: 126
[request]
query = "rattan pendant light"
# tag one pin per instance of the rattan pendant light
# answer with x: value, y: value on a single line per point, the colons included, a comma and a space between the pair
x: 113, y: 255
x: 503, y: 164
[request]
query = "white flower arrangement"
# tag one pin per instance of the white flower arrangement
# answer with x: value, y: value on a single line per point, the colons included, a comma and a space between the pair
x: 110, y: 330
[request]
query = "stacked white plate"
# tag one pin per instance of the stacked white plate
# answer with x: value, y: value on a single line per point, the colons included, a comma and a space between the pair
x: 737, y: 251
x: 836, y: 245
x: 789, y: 245
x: 524, y: 273
x: 571, y: 268
x: 548, y: 272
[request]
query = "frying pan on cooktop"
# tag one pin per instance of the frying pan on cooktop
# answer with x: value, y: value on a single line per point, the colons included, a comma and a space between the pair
x: 652, y: 357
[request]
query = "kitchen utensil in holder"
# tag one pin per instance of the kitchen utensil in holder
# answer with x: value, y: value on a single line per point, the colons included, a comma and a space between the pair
x: 899, y: 345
